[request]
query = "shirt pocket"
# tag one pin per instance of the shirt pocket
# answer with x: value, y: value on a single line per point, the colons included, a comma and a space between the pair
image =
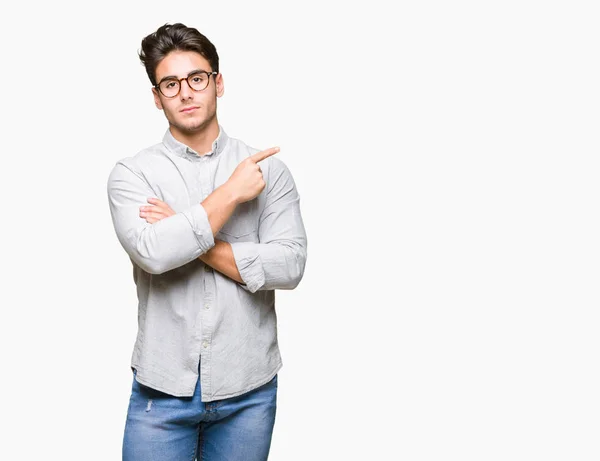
x: 242, y: 225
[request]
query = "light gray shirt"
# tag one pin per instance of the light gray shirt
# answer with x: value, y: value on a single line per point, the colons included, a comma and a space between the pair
x: 189, y: 315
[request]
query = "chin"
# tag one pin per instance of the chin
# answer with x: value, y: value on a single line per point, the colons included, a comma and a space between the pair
x: 189, y: 126
x: 196, y: 126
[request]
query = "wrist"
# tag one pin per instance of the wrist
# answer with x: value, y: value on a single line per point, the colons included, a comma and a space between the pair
x: 230, y: 194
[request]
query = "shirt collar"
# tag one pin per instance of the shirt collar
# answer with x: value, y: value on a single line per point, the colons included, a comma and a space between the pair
x: 184, y: 151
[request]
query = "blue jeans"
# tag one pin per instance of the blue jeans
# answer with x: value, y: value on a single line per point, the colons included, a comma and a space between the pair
x: 161, y: 427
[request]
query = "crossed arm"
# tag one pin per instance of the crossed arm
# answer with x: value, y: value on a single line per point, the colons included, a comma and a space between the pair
x: 277, y: 262
x: 219, y: 257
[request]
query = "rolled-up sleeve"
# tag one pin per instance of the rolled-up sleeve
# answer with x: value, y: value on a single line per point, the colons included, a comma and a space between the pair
x: 278, y: 261
x: 163, y: 245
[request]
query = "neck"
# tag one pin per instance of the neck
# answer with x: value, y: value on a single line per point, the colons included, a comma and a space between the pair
x: 201, y: 139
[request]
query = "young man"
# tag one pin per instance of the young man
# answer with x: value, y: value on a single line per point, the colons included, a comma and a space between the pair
x: 212, y: 227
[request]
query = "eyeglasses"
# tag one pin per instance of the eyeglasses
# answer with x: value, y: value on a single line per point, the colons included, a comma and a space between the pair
x: 197, y: 81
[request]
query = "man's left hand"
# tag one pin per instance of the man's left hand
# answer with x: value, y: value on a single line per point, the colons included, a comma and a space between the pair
x: 155, y: 213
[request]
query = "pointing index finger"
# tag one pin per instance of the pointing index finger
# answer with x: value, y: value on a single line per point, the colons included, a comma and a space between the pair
x: 264, y: 154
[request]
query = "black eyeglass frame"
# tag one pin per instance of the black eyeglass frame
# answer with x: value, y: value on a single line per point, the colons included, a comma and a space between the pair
x: 179, y: 80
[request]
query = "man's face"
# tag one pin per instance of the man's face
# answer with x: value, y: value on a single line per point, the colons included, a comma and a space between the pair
x: 190, y: 111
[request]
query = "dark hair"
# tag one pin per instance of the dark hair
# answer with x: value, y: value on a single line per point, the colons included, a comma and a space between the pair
x: 175, y: 37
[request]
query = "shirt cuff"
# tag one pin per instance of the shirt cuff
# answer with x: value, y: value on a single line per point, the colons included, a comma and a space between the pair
x: 198, y: 219
x: 247, y: 260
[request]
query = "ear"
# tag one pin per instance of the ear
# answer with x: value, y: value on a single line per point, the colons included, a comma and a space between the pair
x: 157, y: 102
x: 220, y: 85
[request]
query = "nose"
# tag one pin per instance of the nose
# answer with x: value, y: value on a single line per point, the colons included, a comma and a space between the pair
x: 185, y: 92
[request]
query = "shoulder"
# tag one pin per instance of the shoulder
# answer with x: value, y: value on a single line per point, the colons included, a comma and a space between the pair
x: 273, y: 166
x: 139, y: 162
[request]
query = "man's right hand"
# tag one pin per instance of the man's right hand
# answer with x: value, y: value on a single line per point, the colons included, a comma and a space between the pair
x: 247, y: 181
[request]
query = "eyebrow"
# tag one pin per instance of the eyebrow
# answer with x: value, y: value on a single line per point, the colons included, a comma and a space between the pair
x: 195, y: 71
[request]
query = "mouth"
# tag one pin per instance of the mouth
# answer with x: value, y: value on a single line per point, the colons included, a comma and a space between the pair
x: 187, y: 110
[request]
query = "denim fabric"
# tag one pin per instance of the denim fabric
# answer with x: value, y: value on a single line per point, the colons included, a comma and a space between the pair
x: 161, y: 427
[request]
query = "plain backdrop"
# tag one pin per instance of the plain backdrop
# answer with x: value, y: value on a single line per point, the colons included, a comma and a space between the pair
x: 447, y: 159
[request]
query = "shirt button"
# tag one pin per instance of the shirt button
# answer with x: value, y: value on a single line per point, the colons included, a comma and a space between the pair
x: 206, y: 306
x: 207, y: 268
x: 205, y: 344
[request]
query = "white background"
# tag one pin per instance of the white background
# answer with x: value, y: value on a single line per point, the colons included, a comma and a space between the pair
x: 446, y: 154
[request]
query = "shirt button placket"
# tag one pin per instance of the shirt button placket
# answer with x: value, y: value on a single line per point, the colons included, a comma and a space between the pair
x: 209, y: 289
